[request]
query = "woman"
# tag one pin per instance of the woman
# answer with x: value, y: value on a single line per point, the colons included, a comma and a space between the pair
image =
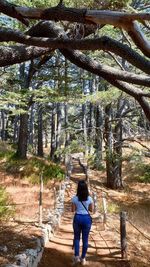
x: 82, y: 203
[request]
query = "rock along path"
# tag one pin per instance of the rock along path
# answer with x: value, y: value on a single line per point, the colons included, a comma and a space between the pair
x: 104, y: 249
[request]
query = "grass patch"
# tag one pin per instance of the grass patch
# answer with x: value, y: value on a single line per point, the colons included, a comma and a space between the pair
x: 5, y: 209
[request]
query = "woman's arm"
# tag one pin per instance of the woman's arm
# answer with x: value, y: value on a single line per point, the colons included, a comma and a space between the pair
x: 73, y: 207
x: 91, y: 207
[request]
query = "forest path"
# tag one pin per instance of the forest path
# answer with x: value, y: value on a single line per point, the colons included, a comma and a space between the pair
x: 103, y: 251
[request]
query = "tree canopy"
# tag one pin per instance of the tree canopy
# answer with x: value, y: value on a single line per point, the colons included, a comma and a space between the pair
x: 89, y: 28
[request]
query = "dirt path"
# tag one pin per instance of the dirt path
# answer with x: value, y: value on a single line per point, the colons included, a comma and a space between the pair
x: 103, y: 249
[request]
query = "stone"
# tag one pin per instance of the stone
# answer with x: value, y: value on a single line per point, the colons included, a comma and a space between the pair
x: 21, y: 260
x: 32, y: 252
x: 3, y: 249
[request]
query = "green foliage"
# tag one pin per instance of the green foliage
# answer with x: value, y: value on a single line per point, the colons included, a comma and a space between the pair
x: 79, y: 4
x: 32, y: 168
x: 6, y: 150
x: 111, y: 207
x: 119, y: 4
x: 112, y: 157
x: 140, y: 171
x: 43, y: 94
x: 73, y: 147
x: 95, y: 163
x: 5, y: 210
x: 111, y: 4
x: 100, y: 166
x: 104, y: 96
x: 109, y: 31
x: 134, y: 157
x: 29, y: 168
x: 14, y: 101
x: 143, y: 173
x: 36, y: 3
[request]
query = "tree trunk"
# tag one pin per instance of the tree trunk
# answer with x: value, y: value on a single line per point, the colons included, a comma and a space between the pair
x: 67, y: 135
x: 113, y: 148
x: 117, y: 166
x: 31, y: 125
x: 91, y: 127
x: 98, y: 136
x: 109, y: 146
x: 45, y: 133
x: 84, y: 126
x: 40, y: 131
x: 15, y: 134
x: 58, y: 131
x: 23, y: 129
x: 53, y: 133
x: 23, y: 137
x: 3, y: 128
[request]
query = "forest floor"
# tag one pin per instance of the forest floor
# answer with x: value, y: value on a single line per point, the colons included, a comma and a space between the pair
x: 21, y: 230
x: 104, y: 245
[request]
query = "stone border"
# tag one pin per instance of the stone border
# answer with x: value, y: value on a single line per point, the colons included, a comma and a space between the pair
x: 31, y: 257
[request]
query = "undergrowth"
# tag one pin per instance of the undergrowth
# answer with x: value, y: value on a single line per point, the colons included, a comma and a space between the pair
x: 143, y: 173
x: 6, y: 151
x: 111, y: 207
x: 5, y: 209
x: 139, y: 169
x: 31, y: 168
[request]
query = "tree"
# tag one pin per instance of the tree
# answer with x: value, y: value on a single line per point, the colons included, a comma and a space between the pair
x: 58, y: 38
x: 116, y: 49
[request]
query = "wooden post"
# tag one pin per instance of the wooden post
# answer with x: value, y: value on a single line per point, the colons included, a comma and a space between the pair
x: 40, y: 200
x: 95, y: 201
x: 104, y: 207
x: 55, y: 194
x: 68, y: 165
x: 123, y: 234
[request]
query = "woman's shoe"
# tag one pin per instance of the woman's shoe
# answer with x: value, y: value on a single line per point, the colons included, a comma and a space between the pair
x: 76, y: 259
x: 83, y: 261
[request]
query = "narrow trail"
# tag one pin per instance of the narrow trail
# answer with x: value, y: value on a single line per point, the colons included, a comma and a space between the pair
x: 103, y: 250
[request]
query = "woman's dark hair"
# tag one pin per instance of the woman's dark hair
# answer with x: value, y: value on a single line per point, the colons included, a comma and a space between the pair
x: 82, y: 191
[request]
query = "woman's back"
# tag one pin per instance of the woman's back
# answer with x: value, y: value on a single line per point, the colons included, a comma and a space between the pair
x: 82, y: 221
x: 80, y: 209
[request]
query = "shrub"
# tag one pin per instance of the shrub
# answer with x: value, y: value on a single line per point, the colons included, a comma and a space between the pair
x: 144, y: 173
x: 5, y: 150
x: 111, y: 207
x: 33, y: 167
x: 5, y: 210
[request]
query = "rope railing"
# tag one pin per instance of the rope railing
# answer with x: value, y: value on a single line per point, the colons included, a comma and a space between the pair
x: 123, y: 221
x: 133, y: 225
x: 147, y: 237
x: 143, y: 222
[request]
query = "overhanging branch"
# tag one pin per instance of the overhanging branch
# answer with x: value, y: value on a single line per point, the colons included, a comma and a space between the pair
x: 60, y: 12
x: 10, y: 55
x: 104, y: 43
x: 123, y: 20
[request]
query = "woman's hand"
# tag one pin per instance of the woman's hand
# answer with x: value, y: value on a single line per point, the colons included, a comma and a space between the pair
x: 91, y: 207
x: 73, y: 207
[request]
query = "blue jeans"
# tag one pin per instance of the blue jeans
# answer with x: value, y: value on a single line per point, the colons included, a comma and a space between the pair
x: 81, y: 224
